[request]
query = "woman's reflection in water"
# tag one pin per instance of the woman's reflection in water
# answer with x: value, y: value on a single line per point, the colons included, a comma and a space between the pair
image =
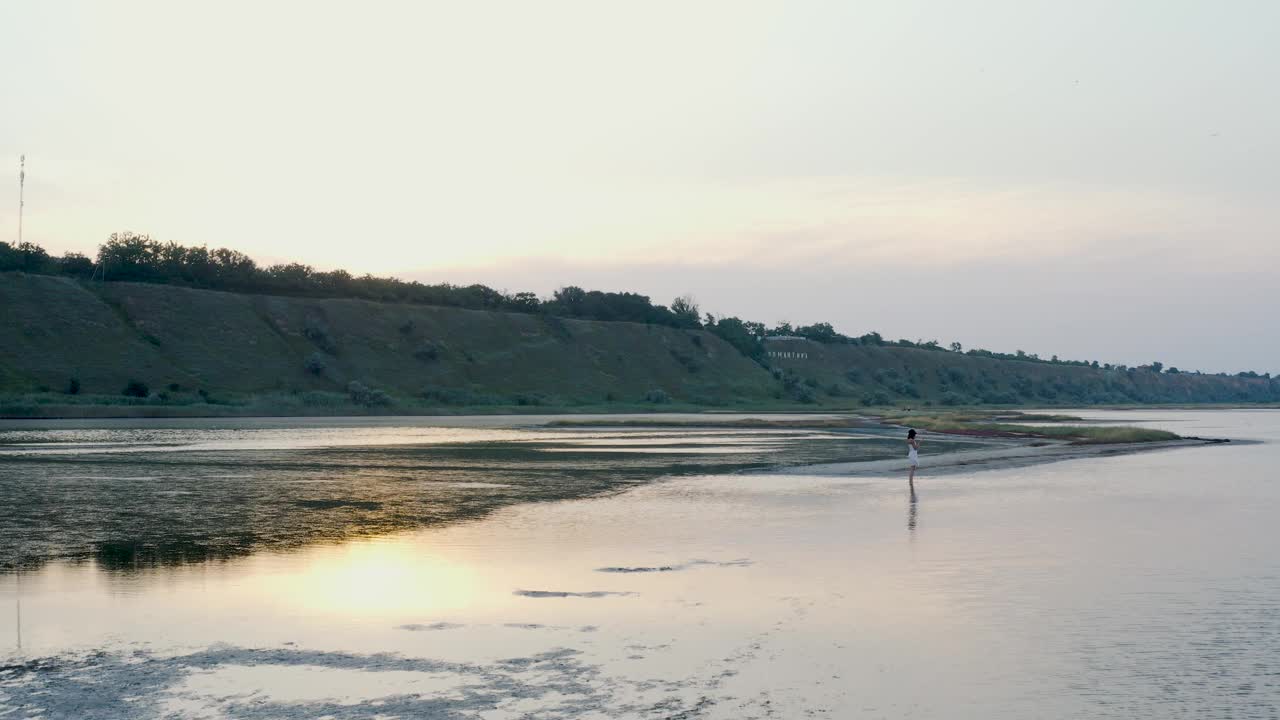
x: 912, y: 511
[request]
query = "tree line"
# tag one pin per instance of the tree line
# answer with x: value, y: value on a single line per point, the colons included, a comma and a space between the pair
x: 133, y: 257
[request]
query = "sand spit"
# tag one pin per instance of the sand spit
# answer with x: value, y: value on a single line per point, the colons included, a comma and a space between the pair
x: 1001, y: 454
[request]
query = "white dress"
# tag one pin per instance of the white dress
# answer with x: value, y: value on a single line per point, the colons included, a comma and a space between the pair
x: 913, y: 456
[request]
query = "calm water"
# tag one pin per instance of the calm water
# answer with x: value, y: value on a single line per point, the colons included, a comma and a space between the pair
x: 506, y: 572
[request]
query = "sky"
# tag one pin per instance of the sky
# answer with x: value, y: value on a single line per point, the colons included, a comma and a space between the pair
x: 1096, y: 180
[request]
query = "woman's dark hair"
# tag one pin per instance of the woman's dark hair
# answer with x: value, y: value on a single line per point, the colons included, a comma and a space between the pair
x: 911, y: 433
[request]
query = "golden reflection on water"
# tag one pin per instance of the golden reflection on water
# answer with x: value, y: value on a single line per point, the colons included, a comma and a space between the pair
x: 376, y: 578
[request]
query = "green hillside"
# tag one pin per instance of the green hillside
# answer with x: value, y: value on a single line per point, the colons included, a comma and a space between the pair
x: 203, y: 351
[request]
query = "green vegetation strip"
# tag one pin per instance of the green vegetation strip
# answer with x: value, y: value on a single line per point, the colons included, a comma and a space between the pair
x: 980, y: 424
x: 815, y: 423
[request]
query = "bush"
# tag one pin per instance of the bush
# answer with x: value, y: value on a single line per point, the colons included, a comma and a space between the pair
x: 530, y: 399
x: 427, y: 352
x: 805, y: 394
x: 903, y: 387
x: 362, y: 394
x: 316, y: 332
x: 175, y: 387
x: 315, y: 363
x: 406, y: 327
x: 458, y: 396
x: 73, y: 386
x: 657, y: 396
x: 136, y: 388
x: 877, y: 398
x: 854, y: 376
x: 1000, y: 398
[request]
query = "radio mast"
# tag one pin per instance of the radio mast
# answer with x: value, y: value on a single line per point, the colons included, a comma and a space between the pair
x: 22, y: 188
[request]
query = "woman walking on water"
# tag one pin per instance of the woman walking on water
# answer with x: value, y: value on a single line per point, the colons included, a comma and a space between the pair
x: 913, y: 455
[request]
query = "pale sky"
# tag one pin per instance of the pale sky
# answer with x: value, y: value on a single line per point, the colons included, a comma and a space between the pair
x: 1098, y: 180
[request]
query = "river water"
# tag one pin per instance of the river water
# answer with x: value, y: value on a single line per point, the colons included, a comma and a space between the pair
x: 491, y: 570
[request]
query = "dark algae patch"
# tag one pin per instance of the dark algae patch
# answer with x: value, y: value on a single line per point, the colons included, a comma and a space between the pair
x: 568, y: 594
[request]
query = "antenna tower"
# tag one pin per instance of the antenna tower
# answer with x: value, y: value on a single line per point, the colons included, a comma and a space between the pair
x: 22, y: 188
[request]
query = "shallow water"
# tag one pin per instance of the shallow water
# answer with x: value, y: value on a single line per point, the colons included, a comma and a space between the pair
x: 649, y: 584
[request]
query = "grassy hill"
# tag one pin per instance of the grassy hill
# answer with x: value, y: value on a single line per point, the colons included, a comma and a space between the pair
x: 201, y: 351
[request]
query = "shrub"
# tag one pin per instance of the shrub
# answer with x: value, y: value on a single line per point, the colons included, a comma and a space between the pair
x: 427, y: 352
x: 458, y: 396
x: 953, y: 398
x: 811, y: 382
x: 315, y: 363
x: 362, y: 394
x: 406, y: 327
x: 316, y: 332
x: 805, y: 394
x: 175, y: 387
x: 136, y: 388
x: 1000, y: 398
x: 854, y: 376
x: 657, y: 396
x: 903, y: 387
x: 878, y: 398
x: 530, y: 399
x: 73, y: 386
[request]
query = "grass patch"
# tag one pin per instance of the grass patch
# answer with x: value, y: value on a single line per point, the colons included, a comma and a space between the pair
x: 985, y: 424
x: 819, y: 423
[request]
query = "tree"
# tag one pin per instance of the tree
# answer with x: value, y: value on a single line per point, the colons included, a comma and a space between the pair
x: 686, y: 311
x: 738, y: 334
x: 956, y: 347
x: 75, y: 264
x: 523, y: 302
x: 820, y: 332
x: 569, y: 299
